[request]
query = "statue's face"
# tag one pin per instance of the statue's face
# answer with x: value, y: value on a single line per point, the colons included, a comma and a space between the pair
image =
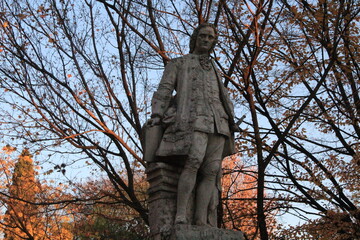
x: 205, y: 40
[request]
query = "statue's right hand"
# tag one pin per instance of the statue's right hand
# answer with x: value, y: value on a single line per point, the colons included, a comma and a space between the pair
x: 154, y: 121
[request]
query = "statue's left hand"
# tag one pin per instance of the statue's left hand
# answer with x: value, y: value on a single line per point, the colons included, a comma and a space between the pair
x: 154, y: 121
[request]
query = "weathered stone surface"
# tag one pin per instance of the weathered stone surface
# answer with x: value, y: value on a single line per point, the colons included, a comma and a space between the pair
x: 162, y: 192
x: 163, y: 178
x: 187, y: 232
x: 196, y: 126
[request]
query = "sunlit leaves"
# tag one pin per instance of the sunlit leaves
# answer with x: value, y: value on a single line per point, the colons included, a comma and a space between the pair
x: 25, y: 208
x: 5, y: 24
x: 239, y: 198
x: 79, y: 75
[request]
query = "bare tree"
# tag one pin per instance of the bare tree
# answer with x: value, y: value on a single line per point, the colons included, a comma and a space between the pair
x: 79, y: 76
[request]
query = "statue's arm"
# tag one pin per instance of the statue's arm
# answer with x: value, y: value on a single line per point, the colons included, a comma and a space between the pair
x: 162, y: 97
x: 234, y: 126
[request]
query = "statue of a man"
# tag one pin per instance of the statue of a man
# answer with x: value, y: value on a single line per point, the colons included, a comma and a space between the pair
x: 198, y: 120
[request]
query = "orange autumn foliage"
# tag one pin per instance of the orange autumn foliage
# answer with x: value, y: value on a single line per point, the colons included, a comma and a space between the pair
x: 239, y: 192
x: 24, y: 212
x: 108, y: 217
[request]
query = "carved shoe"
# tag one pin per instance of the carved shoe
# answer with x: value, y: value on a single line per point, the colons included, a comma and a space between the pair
x: 180, y: 220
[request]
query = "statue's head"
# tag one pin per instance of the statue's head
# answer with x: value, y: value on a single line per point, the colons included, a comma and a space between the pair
x: 195, y: 35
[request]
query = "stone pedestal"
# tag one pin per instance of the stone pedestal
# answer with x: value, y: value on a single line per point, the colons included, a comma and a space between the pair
x: 163, y: 179
x: 186, y: 232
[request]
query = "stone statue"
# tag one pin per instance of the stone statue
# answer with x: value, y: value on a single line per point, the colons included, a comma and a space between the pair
x: 194, y: 109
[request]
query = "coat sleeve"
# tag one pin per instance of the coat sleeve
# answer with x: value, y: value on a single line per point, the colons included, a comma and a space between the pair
x: 163, y: 95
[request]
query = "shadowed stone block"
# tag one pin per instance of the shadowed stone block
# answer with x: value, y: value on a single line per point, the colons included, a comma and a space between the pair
x: 186, y: 232
x: 162, y: 178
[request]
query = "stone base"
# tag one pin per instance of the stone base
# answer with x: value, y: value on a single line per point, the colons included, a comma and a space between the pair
x: 162, y: 192
x: 186, y: 232
x: 163, y: 178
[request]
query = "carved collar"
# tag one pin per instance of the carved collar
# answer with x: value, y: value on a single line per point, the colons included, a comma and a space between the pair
x: 205, y: 62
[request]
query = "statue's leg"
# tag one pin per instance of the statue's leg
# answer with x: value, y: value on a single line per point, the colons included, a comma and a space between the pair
x: 209, y: 170
x: 188, y: 175
x: 213, y: 207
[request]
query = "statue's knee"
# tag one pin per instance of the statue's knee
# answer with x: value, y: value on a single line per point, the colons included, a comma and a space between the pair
x: 211, y: 169
x: 192, y: 165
